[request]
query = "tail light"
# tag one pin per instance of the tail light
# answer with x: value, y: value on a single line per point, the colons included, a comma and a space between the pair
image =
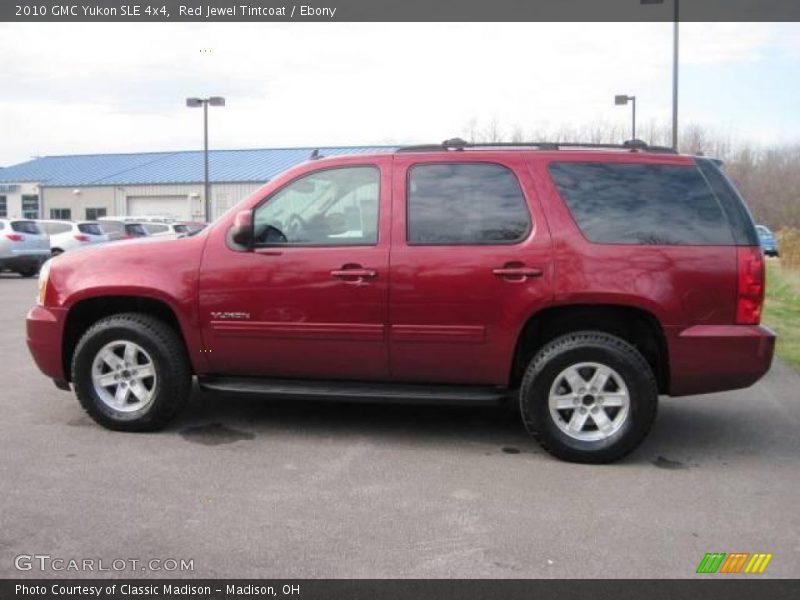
x: 15, y: 237
x: 82, y: 238
x: 750, y: 289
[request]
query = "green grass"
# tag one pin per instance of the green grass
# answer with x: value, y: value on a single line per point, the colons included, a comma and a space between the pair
x: 782, y: 311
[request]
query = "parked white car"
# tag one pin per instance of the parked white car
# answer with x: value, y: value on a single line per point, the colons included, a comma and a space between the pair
x: 66, y: 235
x: 24, y: 246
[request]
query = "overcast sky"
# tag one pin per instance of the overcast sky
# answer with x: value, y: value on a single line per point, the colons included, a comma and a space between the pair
x: 114, y: 87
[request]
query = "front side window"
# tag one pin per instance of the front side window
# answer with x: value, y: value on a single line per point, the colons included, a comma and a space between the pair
x: 333, y: 207
x: 30, y: 206
x: 626, y: 203
x: 465, y: 203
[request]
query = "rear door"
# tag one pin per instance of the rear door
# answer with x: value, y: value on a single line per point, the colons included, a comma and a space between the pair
x: 470, y: 263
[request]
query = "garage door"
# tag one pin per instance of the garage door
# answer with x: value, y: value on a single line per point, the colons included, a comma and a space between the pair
x: 176, y: 207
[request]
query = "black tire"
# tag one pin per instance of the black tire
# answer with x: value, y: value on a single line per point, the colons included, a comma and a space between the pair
x: 27, y: 273
x: 588, y: 347
x: 164, y: 346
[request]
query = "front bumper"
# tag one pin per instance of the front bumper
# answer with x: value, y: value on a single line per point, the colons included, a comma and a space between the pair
x: 716, y: 358
x: 45, y: 332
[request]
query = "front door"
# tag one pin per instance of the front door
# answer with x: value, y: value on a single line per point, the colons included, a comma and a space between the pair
x: 471, y: 261
x: 309, y: 300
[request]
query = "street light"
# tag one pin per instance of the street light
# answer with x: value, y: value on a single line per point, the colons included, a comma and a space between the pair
x: 675, y: 20
x: 621, y: 100
x: 205, y: 102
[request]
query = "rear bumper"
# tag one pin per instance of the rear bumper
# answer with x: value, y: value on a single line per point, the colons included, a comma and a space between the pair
x: 716, y: 358
x: 45, y: 330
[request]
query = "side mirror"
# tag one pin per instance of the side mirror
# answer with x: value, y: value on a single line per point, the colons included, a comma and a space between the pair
x: 242, y: 231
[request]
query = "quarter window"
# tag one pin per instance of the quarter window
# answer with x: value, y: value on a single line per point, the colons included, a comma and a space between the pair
x: 642, y: 204
x: 333, y: 207
x: 465, y: 203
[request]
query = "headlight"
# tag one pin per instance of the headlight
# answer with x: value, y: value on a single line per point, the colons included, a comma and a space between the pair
x: 44, y: 278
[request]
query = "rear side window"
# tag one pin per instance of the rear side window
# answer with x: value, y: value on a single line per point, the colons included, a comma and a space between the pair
x: 181, y: 228
x: 29, y: 227
x: 90, y: 228
x: 465, y: 203
x: 642, y: 204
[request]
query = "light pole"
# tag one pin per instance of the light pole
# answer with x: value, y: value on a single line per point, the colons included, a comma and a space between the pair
x: 621, y: 100
x: 675, y: 21
x: 205, y: 102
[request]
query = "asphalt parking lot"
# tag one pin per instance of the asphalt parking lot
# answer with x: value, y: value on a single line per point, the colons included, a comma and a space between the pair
x: 257, y: 488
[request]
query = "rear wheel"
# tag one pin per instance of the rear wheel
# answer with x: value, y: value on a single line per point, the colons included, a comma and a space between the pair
x: 589, y: 397
x: 131, y: 372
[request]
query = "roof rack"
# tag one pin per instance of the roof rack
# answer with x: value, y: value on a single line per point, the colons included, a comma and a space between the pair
x: 457, y: 144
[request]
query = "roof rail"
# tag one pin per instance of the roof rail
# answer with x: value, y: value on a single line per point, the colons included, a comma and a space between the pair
x: 457, y: 144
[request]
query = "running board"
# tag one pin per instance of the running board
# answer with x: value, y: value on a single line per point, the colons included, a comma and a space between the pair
x: 356, y: 391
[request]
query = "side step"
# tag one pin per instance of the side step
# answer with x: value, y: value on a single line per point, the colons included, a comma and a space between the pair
x: 356, y: 391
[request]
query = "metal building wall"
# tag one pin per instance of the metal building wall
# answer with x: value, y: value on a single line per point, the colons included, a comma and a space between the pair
x: 115, y: 198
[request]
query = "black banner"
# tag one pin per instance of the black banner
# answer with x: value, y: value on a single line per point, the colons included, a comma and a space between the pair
x: 398, y: 10
x: 404, y: 589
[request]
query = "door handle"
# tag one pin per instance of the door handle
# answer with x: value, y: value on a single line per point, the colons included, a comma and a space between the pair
x: 517, y: 273
x: 354, y: 274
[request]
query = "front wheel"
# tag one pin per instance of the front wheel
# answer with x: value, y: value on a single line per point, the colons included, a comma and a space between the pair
x: 131, y: 372
x: 589, y: 397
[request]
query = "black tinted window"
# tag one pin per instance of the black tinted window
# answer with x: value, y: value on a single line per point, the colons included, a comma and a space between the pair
x: 642, y: 204
x: 26, y: 227
x: 465, y: 204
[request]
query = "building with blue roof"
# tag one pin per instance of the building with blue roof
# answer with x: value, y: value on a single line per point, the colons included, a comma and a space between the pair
x: 167, y: 184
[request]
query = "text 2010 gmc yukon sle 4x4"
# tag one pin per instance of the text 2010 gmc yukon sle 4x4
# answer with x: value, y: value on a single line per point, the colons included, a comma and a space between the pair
x: 583, y: 282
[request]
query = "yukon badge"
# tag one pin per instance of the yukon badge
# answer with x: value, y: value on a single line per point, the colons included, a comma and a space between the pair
x: 219, y: 316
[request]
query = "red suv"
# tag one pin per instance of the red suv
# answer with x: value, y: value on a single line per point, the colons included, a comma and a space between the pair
x: 582, y: 281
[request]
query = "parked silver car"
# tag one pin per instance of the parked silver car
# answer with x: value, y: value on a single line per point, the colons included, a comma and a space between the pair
x: 23, y: 246
x: 65, y: 235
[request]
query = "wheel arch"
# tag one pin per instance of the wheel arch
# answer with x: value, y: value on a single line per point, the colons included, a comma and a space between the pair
x: 638, y: 326
x: 86, y: 312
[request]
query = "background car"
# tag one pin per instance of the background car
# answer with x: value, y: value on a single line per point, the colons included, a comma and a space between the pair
x: 65, y: 235
x: 167, y: 228
x: 122, y: 229
x: 24, y: 246
x: 767, y: 239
